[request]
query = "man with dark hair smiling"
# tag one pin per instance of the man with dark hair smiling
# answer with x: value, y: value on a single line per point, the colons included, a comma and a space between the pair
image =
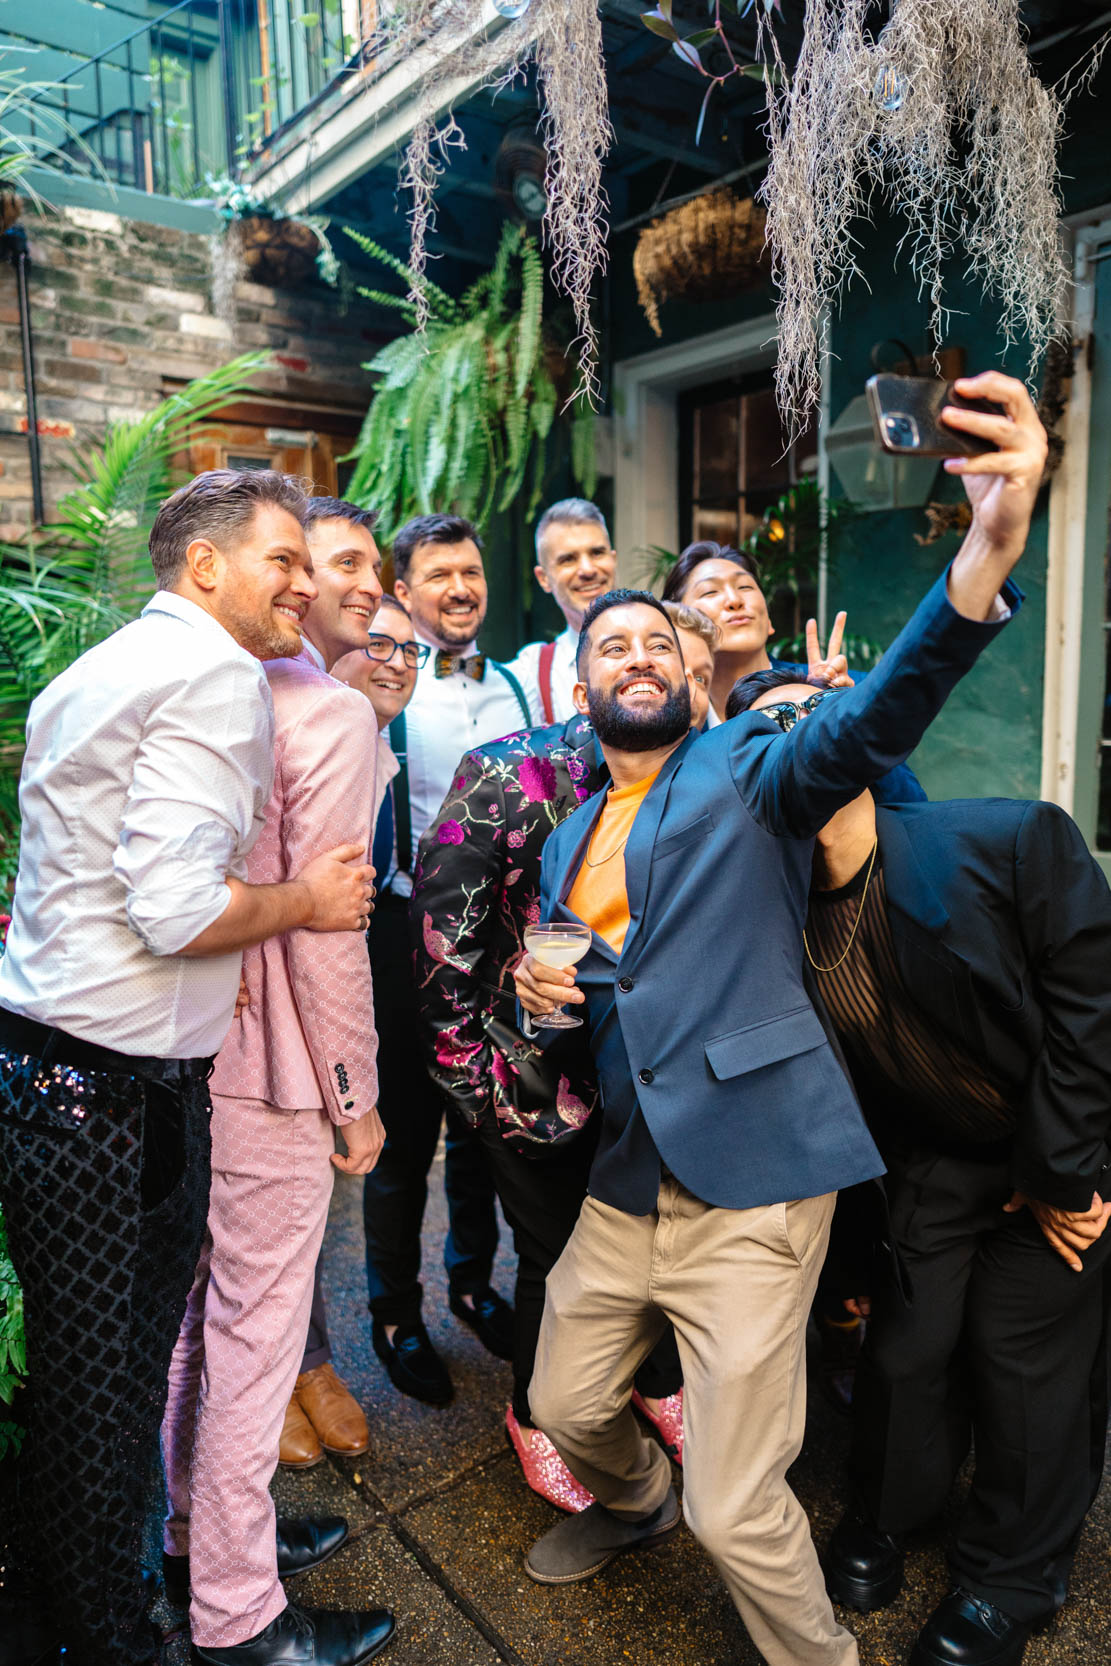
x: 728, y: 1124
x: 962, y: 953
x: 462, y: 699
x: 148, y: 767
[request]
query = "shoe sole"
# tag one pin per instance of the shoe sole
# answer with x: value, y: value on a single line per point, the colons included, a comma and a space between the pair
x: 656, y: 1538
x: 301, y: 1463
x: 864, y: 1595
x: 393, y: 1373
x: 198, y: 1658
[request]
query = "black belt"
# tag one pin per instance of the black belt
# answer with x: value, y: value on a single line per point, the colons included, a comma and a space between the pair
x: 19, y: 1034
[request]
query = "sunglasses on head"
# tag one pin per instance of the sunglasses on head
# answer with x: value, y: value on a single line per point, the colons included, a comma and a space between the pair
x: 383, y: 648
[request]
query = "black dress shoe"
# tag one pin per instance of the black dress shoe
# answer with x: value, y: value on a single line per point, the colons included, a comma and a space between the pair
x: 964, y: 1630
x: 308, y: 1637
x: 303, y: 1543
x: 491, y: 1319
x: 863, y: 1565
x: 413, y: 1364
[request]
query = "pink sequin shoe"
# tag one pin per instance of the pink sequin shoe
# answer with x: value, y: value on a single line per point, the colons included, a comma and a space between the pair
x: 545, y: 1471
x: 668, y: 1422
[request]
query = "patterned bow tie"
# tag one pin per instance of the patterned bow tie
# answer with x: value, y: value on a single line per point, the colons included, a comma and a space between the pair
x: 472, y: 665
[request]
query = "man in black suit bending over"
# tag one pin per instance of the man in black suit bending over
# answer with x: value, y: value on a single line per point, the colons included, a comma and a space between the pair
x: 963, y: 951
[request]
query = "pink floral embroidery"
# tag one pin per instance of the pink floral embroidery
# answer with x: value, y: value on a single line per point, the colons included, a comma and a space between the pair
x: 569, y: 1105
x: 576, y: 768
x: 538, y: 779
x: 532, y: 912
x: 503, y: 1073
x: 451, y: 1052
x: 516, y: 839
x: 451, y: 833
x: 439, y: 947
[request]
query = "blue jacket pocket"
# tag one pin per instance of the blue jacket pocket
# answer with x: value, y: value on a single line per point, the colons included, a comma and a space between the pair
x: 764, y: 1043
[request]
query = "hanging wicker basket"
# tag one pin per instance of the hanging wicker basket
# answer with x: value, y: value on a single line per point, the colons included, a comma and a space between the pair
x: 704, y: 250
x: 279, y: 252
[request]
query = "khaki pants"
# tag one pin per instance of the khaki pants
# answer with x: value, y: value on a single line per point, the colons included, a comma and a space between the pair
x: 737, y: 1286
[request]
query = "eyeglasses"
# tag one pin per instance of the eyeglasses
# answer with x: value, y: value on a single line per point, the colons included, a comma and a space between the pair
x: 382, y: 649
x: 786, y: 713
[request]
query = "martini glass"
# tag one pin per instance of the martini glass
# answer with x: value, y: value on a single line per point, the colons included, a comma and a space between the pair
x: 559, y: 945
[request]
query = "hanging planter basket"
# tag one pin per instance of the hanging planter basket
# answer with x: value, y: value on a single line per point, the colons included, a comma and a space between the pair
x: 281, y: 253
x: 704, y: 250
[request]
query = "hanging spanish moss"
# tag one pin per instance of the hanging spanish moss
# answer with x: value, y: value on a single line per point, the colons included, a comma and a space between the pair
x: 941, y: 117
x: 564, y: 38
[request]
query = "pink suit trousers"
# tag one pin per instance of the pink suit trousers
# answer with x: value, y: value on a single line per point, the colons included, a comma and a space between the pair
x: 237, y: 1359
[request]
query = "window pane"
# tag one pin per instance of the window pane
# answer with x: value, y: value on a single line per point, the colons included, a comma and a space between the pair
x: 720, y: 524
x: 764, y: 459
x: 1103, y: 825
x: 716, y: 460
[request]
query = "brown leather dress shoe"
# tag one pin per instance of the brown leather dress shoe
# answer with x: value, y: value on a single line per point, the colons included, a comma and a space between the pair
x: 333, y: 1411
x: 300, y: 1447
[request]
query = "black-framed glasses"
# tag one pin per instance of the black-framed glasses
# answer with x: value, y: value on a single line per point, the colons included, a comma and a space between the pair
x: 786, y: 713
x: 383, y: 648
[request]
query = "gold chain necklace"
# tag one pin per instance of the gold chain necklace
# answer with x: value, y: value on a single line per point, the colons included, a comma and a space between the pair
x: 856, y: 922
x: 602, y: 860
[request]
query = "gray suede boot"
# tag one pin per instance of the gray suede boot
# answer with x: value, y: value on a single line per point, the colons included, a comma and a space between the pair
x: 580, y: 1546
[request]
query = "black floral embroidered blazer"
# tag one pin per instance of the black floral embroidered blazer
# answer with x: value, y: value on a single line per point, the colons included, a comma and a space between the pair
x: 477, y: 887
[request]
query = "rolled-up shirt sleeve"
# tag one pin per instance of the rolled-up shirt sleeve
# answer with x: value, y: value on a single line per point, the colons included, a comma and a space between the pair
x: 201, y: 781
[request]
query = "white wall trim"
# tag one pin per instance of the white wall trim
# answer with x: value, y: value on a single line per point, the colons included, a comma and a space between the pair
x: 1065, y: 573
x: 646, y: 392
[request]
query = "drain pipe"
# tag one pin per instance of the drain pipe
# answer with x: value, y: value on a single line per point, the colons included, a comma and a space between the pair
x: 16, y: 251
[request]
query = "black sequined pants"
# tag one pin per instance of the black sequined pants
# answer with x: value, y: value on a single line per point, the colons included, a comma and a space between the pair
x: 104, y: 1186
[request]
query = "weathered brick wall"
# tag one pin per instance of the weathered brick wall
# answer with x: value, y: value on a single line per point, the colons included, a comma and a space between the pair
x: 119, y: 305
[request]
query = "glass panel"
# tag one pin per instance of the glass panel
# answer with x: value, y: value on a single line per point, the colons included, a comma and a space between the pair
x: 764, y: 460
x: 720, y: 524
x: 1103, y: 821
x: 716, y: 435
x: 248, y: 460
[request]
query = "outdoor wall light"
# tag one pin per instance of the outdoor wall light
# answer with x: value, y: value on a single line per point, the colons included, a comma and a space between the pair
x: 870, y: 476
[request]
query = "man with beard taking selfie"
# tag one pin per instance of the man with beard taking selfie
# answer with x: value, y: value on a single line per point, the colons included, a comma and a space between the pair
x: 728, y: 1122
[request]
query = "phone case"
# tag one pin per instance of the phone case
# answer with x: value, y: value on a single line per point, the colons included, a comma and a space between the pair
x: 906, y: 417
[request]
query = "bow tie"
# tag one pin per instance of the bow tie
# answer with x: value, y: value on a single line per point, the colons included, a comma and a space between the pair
x: 471, y: 665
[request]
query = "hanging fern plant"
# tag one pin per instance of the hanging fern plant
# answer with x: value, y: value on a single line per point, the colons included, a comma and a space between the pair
x: 463, y: 413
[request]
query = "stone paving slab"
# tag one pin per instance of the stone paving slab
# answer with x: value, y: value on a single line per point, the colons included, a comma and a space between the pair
x: 441, y: 1522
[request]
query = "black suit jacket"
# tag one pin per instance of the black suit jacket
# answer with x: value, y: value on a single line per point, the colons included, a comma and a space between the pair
x: 1001, y: 922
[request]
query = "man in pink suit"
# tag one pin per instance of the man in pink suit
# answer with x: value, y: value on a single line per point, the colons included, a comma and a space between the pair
x: 299, y: 1061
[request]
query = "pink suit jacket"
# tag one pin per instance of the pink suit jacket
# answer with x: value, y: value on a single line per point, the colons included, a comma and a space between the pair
x: 308, y: 1041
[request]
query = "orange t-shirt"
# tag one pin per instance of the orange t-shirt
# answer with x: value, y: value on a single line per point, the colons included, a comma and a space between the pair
x: 598, y: 895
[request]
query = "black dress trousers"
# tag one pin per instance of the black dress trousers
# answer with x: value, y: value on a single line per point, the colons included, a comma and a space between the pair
x: 104, y: 1185
x: 412, y: 1109
x: 1005, y: 1350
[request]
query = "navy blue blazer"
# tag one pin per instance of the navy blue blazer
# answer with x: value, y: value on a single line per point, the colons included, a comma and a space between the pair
x: 703, y: 1019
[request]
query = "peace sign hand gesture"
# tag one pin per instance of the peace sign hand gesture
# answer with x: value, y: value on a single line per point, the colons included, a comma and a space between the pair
x: 830, y: 670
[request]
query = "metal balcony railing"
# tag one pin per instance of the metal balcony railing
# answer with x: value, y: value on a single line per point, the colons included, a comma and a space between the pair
x: 201, y: 89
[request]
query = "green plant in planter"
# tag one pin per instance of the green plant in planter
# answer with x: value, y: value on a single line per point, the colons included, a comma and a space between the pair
x: 463, y: 412
x: 235, y: 202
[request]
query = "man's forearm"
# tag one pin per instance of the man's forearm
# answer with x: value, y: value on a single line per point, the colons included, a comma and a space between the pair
x: 254, y: 913
x: 978, y: 573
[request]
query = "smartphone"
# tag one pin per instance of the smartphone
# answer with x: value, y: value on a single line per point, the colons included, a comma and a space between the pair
x: 906, y: 415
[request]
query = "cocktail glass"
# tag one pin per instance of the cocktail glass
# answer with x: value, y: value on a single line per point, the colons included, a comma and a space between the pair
x: 558, y: 944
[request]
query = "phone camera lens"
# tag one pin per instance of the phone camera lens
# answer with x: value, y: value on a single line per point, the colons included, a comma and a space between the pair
x: 902, y: 430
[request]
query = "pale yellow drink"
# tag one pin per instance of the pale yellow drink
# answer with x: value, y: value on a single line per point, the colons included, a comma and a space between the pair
x: 552, y: 950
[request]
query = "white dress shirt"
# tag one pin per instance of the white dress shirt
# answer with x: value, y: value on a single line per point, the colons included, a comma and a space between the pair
x: 149, y: 764
x: 526, y: 668
x: 446, y: 718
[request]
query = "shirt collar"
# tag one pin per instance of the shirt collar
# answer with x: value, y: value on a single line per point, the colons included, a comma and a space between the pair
x: 168, y: 601
x: 311, y: 651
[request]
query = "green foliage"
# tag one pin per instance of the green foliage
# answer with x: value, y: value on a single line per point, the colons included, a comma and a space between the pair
x: 13, y: 1349
x: 50, y: 137
x: 72, y: 582
x: 462, y: 413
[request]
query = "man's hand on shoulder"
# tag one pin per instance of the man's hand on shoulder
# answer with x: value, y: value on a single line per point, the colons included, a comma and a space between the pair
x: 1002, y: 487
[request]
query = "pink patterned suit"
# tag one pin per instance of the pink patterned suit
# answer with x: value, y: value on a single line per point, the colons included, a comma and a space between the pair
x: 302, y: 1058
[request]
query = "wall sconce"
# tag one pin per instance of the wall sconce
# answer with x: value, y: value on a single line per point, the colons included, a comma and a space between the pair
x: 871, y: 477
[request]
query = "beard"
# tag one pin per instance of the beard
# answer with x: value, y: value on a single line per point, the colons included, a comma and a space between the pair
x: 264, y: 638
x: 628, y: 731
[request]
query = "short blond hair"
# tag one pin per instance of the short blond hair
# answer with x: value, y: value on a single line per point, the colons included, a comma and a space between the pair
x: 692, y: 619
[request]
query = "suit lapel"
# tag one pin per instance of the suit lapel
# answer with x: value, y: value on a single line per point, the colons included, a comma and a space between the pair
x: 642, y: 840
x: 566, y: 879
